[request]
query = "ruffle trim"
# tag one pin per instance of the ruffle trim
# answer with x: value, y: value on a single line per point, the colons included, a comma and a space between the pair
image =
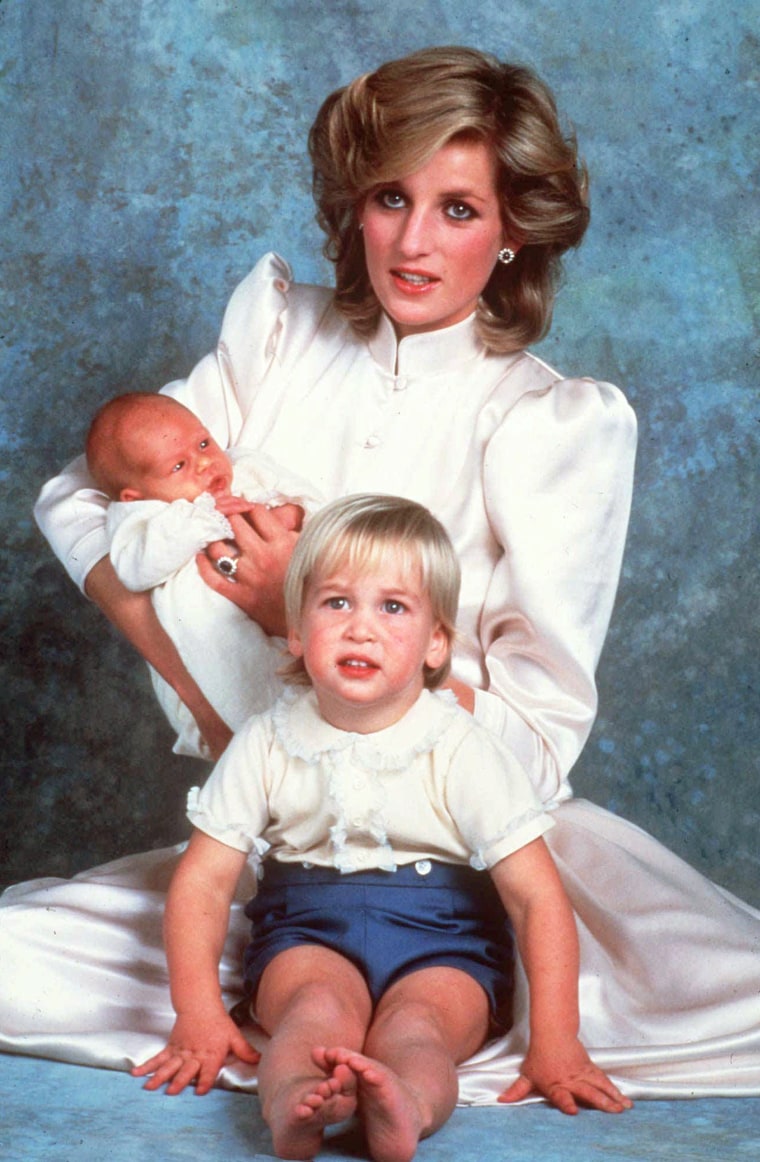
x: 206, y: 504
x: 201, y: 818
x: 294, y: 732
x: 304, y: 735
x: 478, y: 862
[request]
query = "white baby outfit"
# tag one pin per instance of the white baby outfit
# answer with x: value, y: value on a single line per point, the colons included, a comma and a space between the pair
x: 153, y: 545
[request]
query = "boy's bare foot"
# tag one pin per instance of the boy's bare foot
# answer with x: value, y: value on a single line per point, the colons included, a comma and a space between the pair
x: 299, y: 1112
x: 391, y: 1116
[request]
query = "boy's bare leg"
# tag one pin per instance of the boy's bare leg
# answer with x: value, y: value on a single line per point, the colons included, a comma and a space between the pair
x: 406, y: 1080
x: 305, y: 996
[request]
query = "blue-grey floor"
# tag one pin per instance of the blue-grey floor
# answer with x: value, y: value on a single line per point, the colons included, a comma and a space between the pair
x: 53, y: 1111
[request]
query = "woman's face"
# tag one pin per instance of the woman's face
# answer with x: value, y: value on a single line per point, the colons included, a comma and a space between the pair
x: 432, y: 238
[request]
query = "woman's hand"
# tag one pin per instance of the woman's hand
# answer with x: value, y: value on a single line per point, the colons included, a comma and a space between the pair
x: 289, y: 514
x: 198, y: 1047
x: 565, y: 1075
x: 265, y: 547
x: 464, y: 693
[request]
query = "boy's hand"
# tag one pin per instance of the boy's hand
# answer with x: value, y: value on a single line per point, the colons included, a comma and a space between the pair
x: 197, y: 1049
x: 566, y: 1076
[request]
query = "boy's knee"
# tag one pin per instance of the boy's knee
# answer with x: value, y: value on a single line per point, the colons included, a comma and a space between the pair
x: 331, y: 1002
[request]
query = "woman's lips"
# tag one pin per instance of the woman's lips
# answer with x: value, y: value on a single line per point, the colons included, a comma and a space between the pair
x: 413, y: 281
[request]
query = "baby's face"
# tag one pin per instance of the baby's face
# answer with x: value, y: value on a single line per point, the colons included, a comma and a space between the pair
x: 177, y: 460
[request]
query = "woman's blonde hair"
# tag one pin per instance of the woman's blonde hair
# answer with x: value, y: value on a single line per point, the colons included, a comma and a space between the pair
x: 389, y: 123
x: 357, y: 532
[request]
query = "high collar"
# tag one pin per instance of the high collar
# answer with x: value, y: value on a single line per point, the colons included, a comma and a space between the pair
x: 426, y: 353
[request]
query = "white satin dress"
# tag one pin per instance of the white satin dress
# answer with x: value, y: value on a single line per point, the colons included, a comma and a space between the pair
x: 531, y: 474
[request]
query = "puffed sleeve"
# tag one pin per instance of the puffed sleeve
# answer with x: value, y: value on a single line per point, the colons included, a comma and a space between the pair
x: 71, y: 512
x: 150, y: 539
x: 232, y: 806
x: 506, y: 814
x: 558, y: 480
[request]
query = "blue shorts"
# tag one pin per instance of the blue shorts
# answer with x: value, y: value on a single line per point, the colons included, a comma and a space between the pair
x: 388, y: 924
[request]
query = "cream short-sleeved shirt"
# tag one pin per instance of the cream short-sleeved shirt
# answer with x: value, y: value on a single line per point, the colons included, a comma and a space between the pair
x: 434, y: 785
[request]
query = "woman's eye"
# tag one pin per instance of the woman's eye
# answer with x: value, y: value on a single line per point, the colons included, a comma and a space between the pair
x: 391, y: 199
x: 391, y: 606
x: 337, y: 603
x: 460, y: 211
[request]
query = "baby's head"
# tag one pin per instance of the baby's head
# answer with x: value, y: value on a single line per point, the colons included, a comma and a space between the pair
x: 396, y: 544
x: 150, y: 447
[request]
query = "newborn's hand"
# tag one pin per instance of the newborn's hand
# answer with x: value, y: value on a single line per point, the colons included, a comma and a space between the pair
x: 289, y: 514
x: 229, y: 505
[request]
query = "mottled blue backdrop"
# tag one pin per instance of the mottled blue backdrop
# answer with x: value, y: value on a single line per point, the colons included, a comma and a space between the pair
x: 151, y: 151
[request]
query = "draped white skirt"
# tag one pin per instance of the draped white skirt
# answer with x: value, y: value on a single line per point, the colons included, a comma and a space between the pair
x: 669, y: 985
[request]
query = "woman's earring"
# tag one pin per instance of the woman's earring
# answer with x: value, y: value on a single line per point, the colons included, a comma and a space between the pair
x: 360, y: 226
x: 506, y: 255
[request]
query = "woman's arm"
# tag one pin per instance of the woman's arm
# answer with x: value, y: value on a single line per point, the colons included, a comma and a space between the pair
x: 556, y: 1064
x: 465, y: 695
x: 195, y: 928
x: 134, y: 616
x: 71, y: 511
x: 558, y: 476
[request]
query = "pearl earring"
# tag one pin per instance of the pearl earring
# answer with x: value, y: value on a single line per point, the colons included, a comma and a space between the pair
x: 506, y: 255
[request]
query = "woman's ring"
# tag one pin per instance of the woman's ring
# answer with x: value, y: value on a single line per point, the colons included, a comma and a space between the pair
x: 228, y: 566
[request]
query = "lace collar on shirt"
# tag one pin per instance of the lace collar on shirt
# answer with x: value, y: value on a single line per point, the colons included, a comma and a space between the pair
x: 428, y: 353
x: 304, y: 734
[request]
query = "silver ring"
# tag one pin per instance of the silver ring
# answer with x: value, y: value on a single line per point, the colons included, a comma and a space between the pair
x: 227, y: 566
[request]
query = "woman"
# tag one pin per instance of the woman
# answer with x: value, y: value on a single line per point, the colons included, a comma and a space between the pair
x: 448, y: 194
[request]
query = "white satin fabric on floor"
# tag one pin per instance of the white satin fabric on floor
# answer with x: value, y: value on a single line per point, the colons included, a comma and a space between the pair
x: 670, y: 976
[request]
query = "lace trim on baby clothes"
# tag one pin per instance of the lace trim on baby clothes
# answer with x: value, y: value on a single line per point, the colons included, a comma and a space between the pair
x: 476, y: 859
x: 206, y: 504
x: 379, y: 758
x: 204, y: 821
x: 340, y: 769
x: 295, y: 743
x: 306, y: 736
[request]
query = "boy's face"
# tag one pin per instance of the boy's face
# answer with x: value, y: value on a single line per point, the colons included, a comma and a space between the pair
x: 365, y: 637
x: 174, y: 458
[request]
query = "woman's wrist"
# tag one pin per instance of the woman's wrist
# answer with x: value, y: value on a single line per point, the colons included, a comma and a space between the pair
x: 465, y: 694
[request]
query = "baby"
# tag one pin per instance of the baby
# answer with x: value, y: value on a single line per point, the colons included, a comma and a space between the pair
x: 380, y: 955
x: 172, y: 489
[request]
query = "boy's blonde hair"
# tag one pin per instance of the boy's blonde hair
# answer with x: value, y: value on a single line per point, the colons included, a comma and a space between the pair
x: 357, y: 531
